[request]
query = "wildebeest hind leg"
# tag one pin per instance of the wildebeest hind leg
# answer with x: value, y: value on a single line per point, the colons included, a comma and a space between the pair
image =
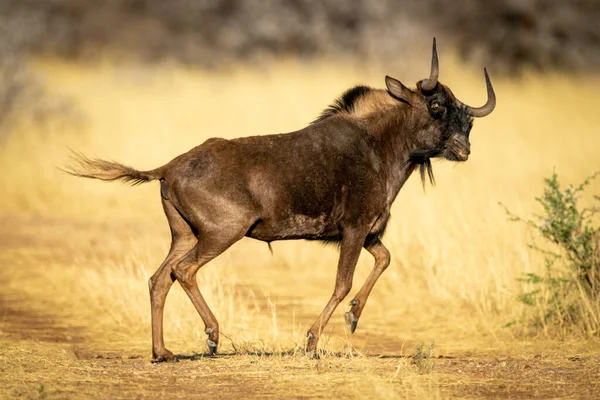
x: 209, y: 246
x: 183, y: 240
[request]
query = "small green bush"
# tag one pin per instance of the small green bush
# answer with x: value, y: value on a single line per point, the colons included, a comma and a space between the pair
x: 423, y: 359
x: 567, y: 295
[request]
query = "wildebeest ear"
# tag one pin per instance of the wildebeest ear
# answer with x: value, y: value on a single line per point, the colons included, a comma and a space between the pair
x: 397, y: 89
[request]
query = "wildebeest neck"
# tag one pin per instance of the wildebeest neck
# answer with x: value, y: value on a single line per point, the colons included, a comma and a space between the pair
x: 395, y: 128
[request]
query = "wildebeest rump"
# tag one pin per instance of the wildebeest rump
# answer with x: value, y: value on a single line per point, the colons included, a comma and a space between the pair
x: 334, y: 180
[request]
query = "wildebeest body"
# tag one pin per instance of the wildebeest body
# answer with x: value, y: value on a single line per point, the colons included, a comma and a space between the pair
x: 306, y: 184
x: 334, y: 181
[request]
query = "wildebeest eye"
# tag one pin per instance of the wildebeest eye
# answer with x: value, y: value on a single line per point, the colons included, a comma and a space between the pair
x: 437, y: 108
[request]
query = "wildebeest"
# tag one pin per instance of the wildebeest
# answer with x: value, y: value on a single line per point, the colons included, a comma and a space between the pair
x: 333, y: 181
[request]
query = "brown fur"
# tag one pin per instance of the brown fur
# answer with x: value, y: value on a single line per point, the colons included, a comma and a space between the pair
x: 333, y: 181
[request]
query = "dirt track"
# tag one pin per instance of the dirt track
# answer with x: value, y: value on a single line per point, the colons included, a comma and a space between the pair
x: 50, y: 354
x: 66, y: 369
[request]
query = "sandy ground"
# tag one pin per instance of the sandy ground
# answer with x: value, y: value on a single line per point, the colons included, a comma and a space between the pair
x: 54, y: 354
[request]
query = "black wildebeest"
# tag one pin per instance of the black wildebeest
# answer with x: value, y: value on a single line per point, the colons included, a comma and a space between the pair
x: 334, y: 181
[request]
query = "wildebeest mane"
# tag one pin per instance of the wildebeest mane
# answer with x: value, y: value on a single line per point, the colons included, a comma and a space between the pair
x: 345, y: 103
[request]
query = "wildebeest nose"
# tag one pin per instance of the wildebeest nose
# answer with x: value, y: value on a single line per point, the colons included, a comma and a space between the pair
x: 463, y: 145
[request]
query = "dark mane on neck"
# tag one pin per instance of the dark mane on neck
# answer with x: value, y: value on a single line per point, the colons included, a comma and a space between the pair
x: 345, y: 103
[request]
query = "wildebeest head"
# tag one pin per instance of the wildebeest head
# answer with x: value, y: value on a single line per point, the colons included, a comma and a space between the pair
x: 446, y: 120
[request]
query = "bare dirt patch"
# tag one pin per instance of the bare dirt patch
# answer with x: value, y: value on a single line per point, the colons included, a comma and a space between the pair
x: 46, y: 352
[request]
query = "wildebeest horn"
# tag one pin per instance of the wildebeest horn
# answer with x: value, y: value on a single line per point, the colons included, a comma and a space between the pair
x: 491, y: 101
x: 429, y: 84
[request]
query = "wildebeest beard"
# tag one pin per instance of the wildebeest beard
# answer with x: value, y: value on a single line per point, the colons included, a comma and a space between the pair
x: 422, y: 158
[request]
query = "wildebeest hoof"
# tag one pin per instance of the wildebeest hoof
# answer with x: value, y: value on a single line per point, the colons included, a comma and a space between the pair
x: 351, y: 320
x: 212, y: 347
x: 167, y: 358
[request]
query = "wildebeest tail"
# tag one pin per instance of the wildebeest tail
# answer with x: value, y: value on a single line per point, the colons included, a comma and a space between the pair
x: 85, y: 167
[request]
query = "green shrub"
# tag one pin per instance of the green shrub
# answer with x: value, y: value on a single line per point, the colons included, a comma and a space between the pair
x: 567, y: 294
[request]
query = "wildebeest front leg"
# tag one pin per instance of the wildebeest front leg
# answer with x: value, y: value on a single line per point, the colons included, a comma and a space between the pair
x: 352, y: 243
x: 382, y: 261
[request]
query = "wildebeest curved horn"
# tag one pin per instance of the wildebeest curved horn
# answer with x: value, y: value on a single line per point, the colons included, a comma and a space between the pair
x: 491, y: 101
x: 429, y: 84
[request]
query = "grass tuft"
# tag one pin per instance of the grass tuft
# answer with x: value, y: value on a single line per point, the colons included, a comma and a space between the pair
x: 423, y: 359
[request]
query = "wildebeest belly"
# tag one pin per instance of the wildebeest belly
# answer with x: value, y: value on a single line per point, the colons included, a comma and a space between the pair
x: 296, y: 226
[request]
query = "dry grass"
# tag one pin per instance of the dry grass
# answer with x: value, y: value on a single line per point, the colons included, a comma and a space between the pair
x: 76, y: 254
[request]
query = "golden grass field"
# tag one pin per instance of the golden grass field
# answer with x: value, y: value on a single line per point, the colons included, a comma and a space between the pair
x: 76, y: 254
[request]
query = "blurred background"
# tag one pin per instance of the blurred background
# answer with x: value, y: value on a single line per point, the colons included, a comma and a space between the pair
x: 505, y: 35
x: 508, y: 36
x: 142, y: 81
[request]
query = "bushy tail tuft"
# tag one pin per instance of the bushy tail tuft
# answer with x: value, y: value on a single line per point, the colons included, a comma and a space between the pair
x: 85, y: 167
